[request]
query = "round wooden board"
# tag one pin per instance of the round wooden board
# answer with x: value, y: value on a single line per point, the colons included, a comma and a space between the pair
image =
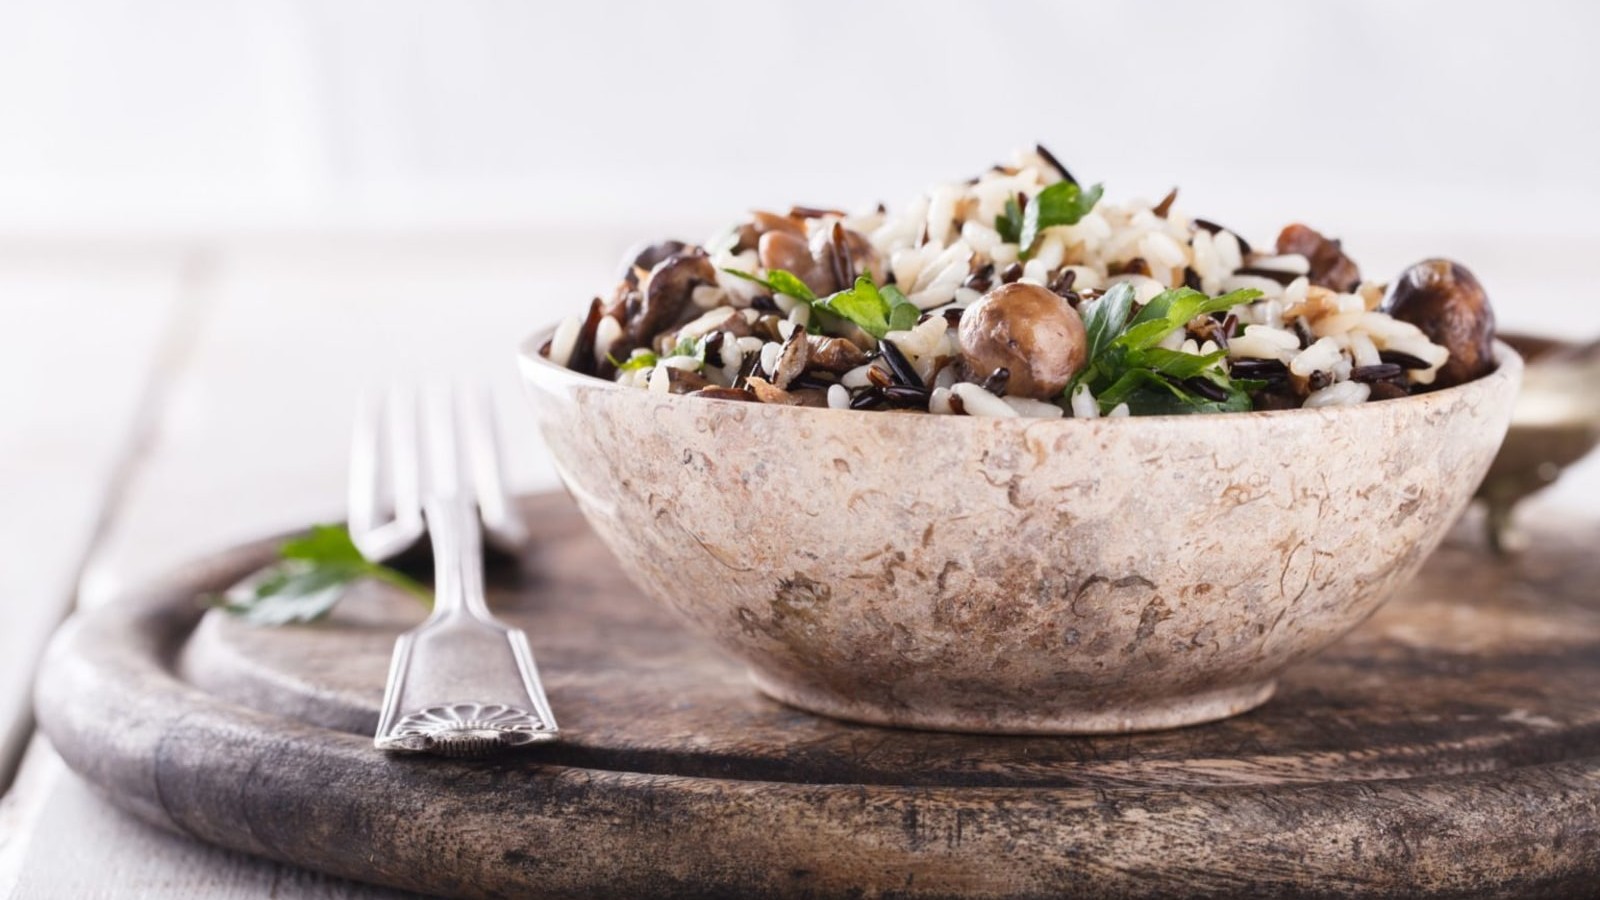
x: 1449, y: 747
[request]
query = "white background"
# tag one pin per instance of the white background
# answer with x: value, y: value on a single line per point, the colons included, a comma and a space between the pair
x: 1409, y: 128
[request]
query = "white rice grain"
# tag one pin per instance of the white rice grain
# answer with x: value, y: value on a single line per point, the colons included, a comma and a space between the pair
x: 708, y: 296
x: 769, y: 356
x: 838, y: 396
x: 1289, y: 262
x: 1343, y: 393
x: 857, y: 377
x: 1029, y: 408
x: 939, y: 402
x: 1084, y: 406
x: 979, y: 402
x: 1263, y: 342
x: 564, y: 340
x: 605, y: 336
x: 660, y: 381
x: 1319, y: 357
x: 1120, y: 411
x: 1363, y: 350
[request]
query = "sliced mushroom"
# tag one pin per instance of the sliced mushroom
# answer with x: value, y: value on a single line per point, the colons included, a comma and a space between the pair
x: 791, y: 359
x: 685, y: 381
x: 667, y: 293
x: 1330, y: 268
x: 1446, y: 301
x: 726, y: 393
x: 764, y: 223
x: 583, y: 355
x: 844, y: 254
x: 792, y: 253
x: 647, y: 256
x: 1029, y: 331
x: 767, y: 392
x: 833, y: 354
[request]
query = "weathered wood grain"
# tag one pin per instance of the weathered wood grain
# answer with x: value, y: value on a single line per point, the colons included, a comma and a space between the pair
x: 1451, y: 747
x: 66, y: 429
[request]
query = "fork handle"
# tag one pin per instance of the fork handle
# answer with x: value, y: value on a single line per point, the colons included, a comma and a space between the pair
x: 457, y: 560
x: 462, y: 683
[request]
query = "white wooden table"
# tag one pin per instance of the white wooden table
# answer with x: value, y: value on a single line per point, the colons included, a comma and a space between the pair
x: 159, y: 399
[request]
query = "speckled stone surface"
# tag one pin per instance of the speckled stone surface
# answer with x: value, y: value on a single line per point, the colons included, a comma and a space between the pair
x: 1014, y: 575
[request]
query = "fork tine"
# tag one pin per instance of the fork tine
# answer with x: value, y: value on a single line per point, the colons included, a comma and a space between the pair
x: 363, y: 501
x: 405, y: 468
x: 384, y: 476
x: 504, y: 527
x: 442, y: 459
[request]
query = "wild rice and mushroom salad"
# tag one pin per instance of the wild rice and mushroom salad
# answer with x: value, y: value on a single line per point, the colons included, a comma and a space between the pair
x: 1022, y: 293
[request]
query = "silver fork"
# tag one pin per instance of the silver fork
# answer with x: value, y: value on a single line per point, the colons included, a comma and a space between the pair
x: 462, y: 683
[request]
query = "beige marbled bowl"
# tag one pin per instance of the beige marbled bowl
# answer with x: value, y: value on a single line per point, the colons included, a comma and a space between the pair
x: 1018, y: 575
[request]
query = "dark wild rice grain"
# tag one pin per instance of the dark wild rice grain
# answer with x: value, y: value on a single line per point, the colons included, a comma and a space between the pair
x: 1403, y: 360
x: 1050, y: 158
x: 997, y: 380
x: 1278, y: 275
x: 1379, y: 372
x: 1205, y: 388
x: 1165, y: 206
x: 1244, y: 245
x: 901, y: 367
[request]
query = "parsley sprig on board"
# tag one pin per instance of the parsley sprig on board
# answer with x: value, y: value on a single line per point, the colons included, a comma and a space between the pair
x: 312, y: 573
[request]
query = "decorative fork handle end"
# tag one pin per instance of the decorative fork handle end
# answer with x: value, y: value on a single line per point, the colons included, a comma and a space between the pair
x: 466, y: 729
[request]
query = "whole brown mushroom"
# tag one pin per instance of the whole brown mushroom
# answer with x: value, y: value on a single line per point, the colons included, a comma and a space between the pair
x: 1446, y: 301
x: 1029, y: 331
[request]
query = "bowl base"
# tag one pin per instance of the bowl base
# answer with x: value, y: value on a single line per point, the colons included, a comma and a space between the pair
x: 1173, y: 712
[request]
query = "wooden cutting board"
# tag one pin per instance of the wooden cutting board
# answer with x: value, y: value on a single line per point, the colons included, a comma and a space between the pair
x: 1449, y: 747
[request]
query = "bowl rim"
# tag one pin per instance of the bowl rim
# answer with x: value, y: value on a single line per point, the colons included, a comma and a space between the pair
x: 1509, y: 366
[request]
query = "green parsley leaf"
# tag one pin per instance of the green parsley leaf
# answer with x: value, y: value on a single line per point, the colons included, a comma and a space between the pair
x: 641, y: 359
x: 876, y: 310
x: 779, y: 281
x: 862, y: 304
x: 1009, y: 223
x: 1108, y: 316
x: 1062, y: 203
x: 1171, y: 310
x: 1127, y: 365
x: 903, y: 314
x: 1176, y: 363
x: 311, y: 575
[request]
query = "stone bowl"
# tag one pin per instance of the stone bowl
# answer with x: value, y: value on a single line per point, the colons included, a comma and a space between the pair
x: 1028, y: 576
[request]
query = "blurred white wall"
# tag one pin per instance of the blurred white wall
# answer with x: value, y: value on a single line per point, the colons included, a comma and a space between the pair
x: 1399, y: 123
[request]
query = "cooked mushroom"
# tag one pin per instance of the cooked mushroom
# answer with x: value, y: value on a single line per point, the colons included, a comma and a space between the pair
x: 792, y: 252
x: 684, y: 381
x: 1330, y: 268
x: 844, y: 254
x: 647, y: 257
x: 1029, y: 331
x: 767, y: 392
x: 1444, y: 300
x: 667, y: 292
x: 726, y: 393
x: 791, y: 359
x: 763, y: 223
x: 831, y: 354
